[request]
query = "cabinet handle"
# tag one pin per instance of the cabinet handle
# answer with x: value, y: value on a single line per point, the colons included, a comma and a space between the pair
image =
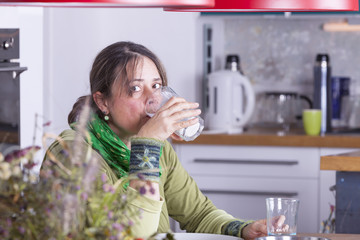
x: 256, y: 193
x: 255, y: 162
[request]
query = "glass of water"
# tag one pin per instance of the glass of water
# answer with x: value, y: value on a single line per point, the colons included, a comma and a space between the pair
x: 282, y: 216
x: 159, y: 98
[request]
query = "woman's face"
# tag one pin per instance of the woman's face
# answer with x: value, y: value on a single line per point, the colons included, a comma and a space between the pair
x: 127, y: 106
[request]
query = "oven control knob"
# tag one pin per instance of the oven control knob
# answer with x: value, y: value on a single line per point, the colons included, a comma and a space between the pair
x: 8, y: 43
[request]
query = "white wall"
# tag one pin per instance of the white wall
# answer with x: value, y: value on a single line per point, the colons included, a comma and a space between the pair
x: 58, y: 46
x: 30, y: 23
x: 73, y: 37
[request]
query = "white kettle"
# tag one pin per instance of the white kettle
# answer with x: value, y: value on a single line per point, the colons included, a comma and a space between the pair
x: 231, y: 102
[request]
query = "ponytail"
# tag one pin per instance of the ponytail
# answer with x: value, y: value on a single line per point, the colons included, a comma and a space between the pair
x: 77, y: 108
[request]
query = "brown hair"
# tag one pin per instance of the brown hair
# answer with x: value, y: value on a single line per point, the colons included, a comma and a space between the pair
x: 117, y: 62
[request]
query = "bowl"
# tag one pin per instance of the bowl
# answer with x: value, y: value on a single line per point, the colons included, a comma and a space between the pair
x: 290, y: 238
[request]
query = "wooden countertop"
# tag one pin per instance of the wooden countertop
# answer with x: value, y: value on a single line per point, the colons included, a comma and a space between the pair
x: 9, y: 137
x: 332, y: 236
x: 265, y: 137
x: 341, y: 162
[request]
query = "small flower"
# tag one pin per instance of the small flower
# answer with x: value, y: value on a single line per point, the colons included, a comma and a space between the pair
x: 142, y: 190
x: 16, y: 187
x: 46, y: 173
x: 5, y: 171
x: 123, y: 197
x: 16, y: 171
x: 103, y: 177
x: 48, y: 123
x: 110, y: 215
x: 32, y: 211
x: 332, y: 208
x: 29, y: 165
x: 33, y: 178
x: 107, y: 187
x: 130, y: 223
x: 64, y: 153
x: 58, y: 196
x: 21, y: 230
x: 48, y: 211
x: 9, y: 157
x: 84, y: 196
x: 117, y: 226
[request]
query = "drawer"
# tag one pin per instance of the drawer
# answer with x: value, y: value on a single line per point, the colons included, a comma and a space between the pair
x: 245, y: 197
x: 249, y: 161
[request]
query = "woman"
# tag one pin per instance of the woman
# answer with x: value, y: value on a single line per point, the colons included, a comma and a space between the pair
x: 127, y: 141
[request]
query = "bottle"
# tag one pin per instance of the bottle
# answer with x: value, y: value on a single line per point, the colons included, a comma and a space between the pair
x: 322, y: 90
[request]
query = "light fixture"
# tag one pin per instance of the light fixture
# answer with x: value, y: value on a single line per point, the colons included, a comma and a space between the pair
x: 276, y: 6
x: 111, y: 3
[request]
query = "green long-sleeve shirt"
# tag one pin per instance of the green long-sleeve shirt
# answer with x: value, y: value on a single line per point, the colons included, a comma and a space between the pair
x: 181, y: 199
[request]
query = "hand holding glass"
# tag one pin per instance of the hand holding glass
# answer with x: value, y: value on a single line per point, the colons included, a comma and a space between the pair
x: 158, y: 99
x: 282, y: 216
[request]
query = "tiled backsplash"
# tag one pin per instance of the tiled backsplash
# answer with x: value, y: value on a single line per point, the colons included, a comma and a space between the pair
x: 279, y: 53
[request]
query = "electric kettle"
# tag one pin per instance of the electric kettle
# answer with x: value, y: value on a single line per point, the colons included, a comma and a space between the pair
x: 231, y: 102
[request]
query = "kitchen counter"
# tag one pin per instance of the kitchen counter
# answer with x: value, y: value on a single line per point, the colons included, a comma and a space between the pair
x: 349, y: 162
x: 347, y: 168
x: 9, y: 137
x: 266, y: 137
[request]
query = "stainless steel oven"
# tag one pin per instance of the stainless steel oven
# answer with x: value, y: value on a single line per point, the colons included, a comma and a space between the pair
x: 10, y: 71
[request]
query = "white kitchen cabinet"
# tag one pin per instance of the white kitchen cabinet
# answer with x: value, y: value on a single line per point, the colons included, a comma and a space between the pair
x: 238, y: 178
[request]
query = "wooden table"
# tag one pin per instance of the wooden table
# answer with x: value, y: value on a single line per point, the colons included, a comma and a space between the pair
x: 332, y: 236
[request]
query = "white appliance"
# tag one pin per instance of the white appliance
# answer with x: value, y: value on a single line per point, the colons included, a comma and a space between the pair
x: 231, y: 102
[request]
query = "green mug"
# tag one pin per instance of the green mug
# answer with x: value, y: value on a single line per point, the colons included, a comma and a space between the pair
x: 312, y: 121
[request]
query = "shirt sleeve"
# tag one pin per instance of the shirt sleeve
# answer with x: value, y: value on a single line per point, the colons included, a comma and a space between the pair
x: 147, y: 222
x: 194, y: 211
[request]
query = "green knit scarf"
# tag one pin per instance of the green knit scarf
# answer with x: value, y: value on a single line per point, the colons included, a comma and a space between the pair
x: 109, y: 146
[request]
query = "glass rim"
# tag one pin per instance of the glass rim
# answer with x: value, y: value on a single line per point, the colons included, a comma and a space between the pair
x: 283, y: 199
x: 312, y: 110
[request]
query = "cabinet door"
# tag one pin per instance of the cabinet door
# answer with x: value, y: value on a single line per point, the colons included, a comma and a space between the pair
x: 239, y: 178
x: 247, y: 161
x: 244, y: 198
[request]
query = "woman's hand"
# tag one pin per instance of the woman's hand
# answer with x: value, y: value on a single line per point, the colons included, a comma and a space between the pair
x: 176, y: 137
x: 168, y: 119
x: 254, y: 230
